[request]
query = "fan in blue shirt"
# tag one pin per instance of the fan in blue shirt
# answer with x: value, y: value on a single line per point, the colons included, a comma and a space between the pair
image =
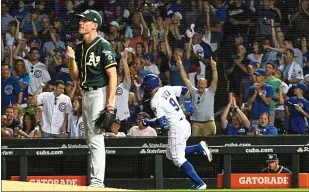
x: 260, y: 96
x: 298, y: 110
x: 264, y: 127
x: 239, y: 122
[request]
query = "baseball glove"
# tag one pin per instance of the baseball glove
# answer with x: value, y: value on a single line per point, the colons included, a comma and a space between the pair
x: 105, y: 119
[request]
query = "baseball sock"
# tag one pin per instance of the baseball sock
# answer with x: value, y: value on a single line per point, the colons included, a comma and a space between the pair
x: 190, y: 172
x: 194, y: 149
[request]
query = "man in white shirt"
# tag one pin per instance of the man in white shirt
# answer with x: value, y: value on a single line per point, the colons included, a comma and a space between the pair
x: 56, y: 107
x: 292, y: 71
x: 140, y: 130
x: 37, y: 71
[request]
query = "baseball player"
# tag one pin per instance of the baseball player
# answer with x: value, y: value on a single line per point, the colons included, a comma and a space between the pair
x: 168, y: 112
x: 94, y: 65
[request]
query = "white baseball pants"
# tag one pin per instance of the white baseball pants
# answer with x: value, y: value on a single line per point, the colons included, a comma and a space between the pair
x: 178, y: 135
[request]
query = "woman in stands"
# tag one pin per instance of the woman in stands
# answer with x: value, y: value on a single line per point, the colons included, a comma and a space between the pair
x: 264, y: 127
x: 75, y: 119
x: 30, y: 128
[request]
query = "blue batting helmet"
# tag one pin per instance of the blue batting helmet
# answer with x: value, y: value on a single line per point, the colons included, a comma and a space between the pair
x: 150, y: 82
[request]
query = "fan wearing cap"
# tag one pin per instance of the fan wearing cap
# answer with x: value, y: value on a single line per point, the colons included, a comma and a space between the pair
x: 273, y: 165
x: 298, y: 110
x: 93, y: 64
x: 260, y: 96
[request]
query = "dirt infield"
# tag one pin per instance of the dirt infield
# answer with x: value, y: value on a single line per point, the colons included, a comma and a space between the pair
x: 28, y: 186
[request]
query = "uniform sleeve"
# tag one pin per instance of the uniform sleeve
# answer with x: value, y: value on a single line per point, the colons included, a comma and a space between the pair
x: 46, y: 76
x: 156, y: 108
x: 176, y: 90
x: 41, y: 98
x: 108, y: 55
x: 270, y: 92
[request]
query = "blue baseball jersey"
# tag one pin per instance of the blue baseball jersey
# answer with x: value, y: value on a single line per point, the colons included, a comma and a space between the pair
x: 259, y: 106
x: 230, y: 130
x: 268, y: 130
x: 24, y: 80
x: 297, y: 122
x: 175, y: 76
x: 10, y: 88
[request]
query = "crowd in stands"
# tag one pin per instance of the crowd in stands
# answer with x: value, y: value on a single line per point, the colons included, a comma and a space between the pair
x: 259, y: 80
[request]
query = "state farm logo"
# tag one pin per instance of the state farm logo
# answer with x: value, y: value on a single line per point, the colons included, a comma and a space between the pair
x: 263, y: 180
x: 154, y: 145
x: 153, y: 151
x: 74, y: 146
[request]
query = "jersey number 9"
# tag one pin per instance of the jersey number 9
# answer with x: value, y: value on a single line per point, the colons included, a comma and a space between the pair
x: 174, y: 104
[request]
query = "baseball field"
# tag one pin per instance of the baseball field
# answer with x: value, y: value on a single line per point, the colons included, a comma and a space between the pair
x: 28, y: 186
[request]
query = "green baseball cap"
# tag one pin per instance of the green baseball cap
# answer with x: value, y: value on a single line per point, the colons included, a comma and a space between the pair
x: 91, y: 15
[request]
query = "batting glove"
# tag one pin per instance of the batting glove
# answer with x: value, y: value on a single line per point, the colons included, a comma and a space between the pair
x: 188, y: 106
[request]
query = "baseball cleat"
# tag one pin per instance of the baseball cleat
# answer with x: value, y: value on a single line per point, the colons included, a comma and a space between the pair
x: 206, y: 150
x: 198, y: 187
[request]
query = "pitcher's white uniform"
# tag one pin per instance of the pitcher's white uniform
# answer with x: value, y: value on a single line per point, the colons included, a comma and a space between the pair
x: 164, y: 103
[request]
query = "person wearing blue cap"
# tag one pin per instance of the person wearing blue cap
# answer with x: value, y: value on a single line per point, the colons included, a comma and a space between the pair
x: 260, y: 96
x: 298, y: 110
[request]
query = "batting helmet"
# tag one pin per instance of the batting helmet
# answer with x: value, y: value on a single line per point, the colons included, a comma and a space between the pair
x: 150, y: 82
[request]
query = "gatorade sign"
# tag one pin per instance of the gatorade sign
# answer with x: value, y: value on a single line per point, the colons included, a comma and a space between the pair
x: 60, y: 180
x: 263, y: 181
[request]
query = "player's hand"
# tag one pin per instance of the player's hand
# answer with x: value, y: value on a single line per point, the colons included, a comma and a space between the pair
x: 188, y: 106
x: 70, y: 52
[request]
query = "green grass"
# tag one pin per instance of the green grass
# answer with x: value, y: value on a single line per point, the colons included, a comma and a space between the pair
x: 231, y: 190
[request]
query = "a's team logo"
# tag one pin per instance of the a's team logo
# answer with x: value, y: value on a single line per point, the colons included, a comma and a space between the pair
x: 93, y: 60
x: 108, y: 54
x: 8, y: 89
x: 62, y: 107
x: 81, y: 126
x: 37, y: 73
x: 119, y: 91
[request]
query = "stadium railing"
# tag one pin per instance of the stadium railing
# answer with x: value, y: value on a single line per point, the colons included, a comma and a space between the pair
x: 140, y: 163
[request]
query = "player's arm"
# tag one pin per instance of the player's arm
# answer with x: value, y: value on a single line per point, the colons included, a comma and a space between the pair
x: 112, y: 84
x: 183, y: 73
x: 73, y: 69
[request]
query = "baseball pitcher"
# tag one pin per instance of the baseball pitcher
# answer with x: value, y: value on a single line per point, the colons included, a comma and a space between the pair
x: 93, y: 65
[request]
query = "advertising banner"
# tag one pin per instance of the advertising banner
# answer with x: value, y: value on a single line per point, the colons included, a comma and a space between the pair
x: 80, y: 180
